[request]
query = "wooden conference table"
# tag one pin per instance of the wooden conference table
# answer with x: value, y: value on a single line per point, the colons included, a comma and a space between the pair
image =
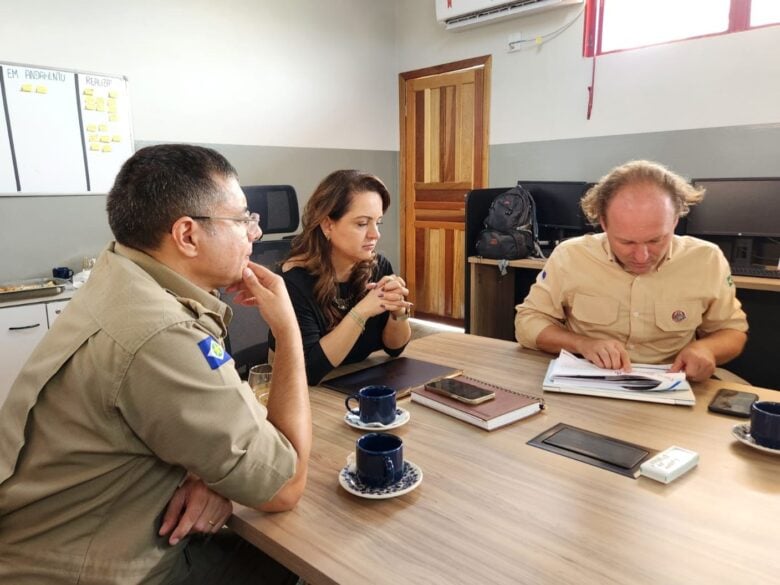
x: 491, y: 509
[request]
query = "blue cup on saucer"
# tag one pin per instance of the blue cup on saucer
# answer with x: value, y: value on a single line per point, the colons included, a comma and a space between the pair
x: 379, y: 459
x: 376, y: 404
x: 765, y: 423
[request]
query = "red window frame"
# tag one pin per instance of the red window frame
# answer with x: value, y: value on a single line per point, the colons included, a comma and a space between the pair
x: 739, y: 20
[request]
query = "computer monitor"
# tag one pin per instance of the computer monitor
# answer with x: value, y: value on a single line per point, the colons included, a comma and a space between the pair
x: 734, y: 213
x: 558, y: 208
x: 737, y: 207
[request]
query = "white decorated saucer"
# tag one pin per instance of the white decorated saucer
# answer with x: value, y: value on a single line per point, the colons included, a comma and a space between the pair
x: 411, y: 478
x: 742, y: 433
x: 402, y: 417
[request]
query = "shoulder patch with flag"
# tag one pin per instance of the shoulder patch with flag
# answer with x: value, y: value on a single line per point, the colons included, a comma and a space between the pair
x: 214, y: 353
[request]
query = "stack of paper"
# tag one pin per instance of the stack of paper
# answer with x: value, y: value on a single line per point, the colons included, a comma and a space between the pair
x: 645, y: 382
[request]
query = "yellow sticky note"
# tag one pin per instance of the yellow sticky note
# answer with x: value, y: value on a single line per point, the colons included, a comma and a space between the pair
x: 116, y: 138
x: 104, y: 127
x: 41, y: 89
x: 94, y: 138
x: 112, y: 108
x: 107, y: 148
x: 94, y: 146
x: 105, y: 138
x: 27, y: 87
x: 100, y: 107
x: 89, y: 91
x: 91, y: 127
x: 113, y: 117
x: 113, y: 93
x: 89, y: 106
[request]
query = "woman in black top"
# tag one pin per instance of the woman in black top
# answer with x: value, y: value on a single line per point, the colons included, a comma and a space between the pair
x: 346, y: 297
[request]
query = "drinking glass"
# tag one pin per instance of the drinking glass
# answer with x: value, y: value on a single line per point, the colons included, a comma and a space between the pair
x: 260, y: 381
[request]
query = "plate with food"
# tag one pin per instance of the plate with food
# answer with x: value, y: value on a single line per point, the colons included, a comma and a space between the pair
x: 31, y: 288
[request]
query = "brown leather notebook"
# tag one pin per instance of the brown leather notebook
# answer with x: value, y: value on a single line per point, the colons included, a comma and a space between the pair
x: 507, y: 407
x: 401, y: 373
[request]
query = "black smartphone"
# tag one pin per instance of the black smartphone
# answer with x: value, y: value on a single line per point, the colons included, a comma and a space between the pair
x: 460, y: 391
x: 733, y: 402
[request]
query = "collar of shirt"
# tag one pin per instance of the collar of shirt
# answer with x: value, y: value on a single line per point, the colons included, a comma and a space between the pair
x: 186, y: 292
x: 673, y: 246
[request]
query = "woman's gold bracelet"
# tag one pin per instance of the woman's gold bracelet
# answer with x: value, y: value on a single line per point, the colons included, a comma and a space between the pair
x: 358, y: 319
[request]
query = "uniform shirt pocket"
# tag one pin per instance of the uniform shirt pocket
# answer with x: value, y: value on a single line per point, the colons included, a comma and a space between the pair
x: 594, y: 310
x: 678, y: 316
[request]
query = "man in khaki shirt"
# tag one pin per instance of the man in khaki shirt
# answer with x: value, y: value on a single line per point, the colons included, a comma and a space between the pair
x: 128, y: 432
x: 636, y: 292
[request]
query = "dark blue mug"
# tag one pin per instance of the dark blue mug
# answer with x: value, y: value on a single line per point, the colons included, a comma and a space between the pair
x: 379, y: 459
x: 765, y: 423
x: 62, y: 272
x: 376, y: 404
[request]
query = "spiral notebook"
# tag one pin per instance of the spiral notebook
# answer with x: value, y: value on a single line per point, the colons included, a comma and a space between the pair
x: 507, y: 407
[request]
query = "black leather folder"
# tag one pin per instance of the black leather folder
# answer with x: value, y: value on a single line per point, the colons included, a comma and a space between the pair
x: 402, y: 374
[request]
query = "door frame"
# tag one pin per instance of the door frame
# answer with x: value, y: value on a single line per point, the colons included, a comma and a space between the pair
x: 481, y: 133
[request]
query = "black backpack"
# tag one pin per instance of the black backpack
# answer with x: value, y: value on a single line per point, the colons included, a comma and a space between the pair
x: 510, y: 227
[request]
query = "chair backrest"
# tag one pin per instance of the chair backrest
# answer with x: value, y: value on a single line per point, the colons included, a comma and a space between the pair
x: 248, y: 332
x: 277, y: 206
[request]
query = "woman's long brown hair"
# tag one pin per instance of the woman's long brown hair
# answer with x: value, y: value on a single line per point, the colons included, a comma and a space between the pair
x: 332, y: 199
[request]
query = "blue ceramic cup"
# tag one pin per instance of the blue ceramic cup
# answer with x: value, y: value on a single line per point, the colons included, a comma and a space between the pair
x: 379, y: 459
x: 376, y: 404
x: 62, y: 272
x: 765, y: 423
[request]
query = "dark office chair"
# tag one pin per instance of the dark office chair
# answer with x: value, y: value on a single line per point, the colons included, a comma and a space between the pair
x: 278, y: 208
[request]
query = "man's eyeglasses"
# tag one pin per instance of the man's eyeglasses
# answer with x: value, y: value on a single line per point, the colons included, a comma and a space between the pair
x: 251, y: 222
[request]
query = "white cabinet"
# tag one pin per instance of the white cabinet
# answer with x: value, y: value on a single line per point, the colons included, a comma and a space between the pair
x: 53, y: 310
x: 21, y: 328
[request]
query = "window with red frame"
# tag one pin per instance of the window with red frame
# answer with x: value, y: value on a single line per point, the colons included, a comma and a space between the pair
x: 616, y: 25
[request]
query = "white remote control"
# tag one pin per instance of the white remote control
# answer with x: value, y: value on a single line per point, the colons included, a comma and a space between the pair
x: 669, y: 464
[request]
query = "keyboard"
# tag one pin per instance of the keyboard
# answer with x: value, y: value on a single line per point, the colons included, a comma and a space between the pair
x: 754, y: 270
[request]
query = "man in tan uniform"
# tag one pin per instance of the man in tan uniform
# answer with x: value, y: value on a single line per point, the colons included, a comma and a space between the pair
x: 128, y: 431
x: 636, y: 292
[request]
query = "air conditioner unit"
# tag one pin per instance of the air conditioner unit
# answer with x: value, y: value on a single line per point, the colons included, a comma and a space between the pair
x: 462, y: 14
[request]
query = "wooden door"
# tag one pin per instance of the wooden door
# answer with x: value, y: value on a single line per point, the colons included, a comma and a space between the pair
x: 444, y: 155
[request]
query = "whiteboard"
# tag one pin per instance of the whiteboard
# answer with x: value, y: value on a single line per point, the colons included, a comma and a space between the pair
x: 105, y: 113
x: 7, y: 174
x: 65, y: 132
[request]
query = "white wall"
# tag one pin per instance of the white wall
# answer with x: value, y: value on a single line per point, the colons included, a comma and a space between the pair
x: 289, y: 90
x: 297, y: 73
x: 540, y: 93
